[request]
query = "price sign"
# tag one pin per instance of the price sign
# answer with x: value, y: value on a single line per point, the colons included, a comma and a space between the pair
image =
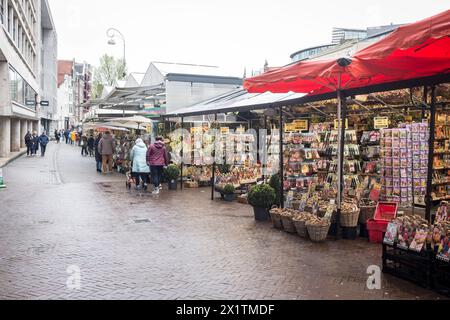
x: 224, y: 130
x: 289, y: 127
x: 381, y: 122
x: 336, y: 124
x: 301, y: 125
x: 196, y: 130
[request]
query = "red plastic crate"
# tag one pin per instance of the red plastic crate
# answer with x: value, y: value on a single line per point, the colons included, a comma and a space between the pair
x: 376, y: 230
x: 386, y: 211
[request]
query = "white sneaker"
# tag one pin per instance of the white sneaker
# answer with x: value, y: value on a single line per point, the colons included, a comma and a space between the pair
x: 156, y: 191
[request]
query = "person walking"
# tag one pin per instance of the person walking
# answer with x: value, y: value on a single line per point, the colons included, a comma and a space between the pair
x: 140, y: 169
x: 29, y: 143
x: 106, y: 149
x: 98, y: 156
x: 157, y: 160
x: 73, y: 138
x: 66, y: 136
x: 84, y: 146
x: 34, y: 144
x: 90, y: 144
x: 56, y: 135
x: 43, y: 141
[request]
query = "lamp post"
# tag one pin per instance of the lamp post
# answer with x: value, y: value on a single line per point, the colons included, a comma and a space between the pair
x: 111, y: 33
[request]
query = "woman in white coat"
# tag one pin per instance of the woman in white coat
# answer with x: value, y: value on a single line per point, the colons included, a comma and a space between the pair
x: 140, y: 168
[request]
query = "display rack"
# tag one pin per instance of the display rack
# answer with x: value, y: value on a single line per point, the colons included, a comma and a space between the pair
x: 441, y: 158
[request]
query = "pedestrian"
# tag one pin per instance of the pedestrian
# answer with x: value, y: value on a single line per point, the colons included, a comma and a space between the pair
x: 106, y: 149
x: 140, y: 168
x: 34, y: 144
x: 157, y: 160
x: 43, y: 141
x: 80, y: 137
x: 73, y: 137
x: 66, y: 136
x: 98, y: 156
x: 84, y: 146
x: 90, y: 143
x: 61, y: 135
x: 56, y: 135
x: 28, y: 142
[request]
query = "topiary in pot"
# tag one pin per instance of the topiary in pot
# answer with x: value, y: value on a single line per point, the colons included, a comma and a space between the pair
x: 261, y: 197
x: 172, y: 173
x: 228, y: 192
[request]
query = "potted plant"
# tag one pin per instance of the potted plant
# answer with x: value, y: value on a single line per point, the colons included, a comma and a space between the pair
x: 228, y: 192
x: 172, y: 174
x: 261, y: 197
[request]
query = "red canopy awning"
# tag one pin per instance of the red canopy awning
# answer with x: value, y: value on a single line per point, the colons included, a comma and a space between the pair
x: 412, y: 51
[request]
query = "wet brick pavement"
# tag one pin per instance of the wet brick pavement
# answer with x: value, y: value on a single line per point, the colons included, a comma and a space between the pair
x: 58, y: 212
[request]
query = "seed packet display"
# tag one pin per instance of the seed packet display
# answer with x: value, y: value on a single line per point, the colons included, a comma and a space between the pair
x: 419, y: 240
x: 391, y: 233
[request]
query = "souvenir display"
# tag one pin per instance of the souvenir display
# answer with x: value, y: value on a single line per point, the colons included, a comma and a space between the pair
x: 441, y: 158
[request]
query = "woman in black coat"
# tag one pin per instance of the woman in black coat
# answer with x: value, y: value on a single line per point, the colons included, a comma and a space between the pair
x: 29, y: 143
x: 98, y: 156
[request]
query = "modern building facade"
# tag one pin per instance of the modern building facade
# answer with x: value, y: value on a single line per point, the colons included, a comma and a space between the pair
x: 28, y: 48
x: 345, y: 41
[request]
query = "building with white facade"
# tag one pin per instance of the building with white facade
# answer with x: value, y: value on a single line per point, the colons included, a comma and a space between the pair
x: 28, y: 48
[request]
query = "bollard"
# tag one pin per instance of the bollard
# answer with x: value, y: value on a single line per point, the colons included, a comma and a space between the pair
x: 2, y: 185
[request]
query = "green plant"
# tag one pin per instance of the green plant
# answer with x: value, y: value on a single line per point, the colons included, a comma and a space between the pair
x: 172, y: 172
x: 275, y: 183
x: 229, y: 189
x: 262, y: 196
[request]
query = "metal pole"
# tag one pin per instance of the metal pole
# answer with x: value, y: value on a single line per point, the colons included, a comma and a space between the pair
x: 281, y: 159
x: 425, y: 99
x: 265, y: 151
x: 342, y: 114
x: 429, y: 198
x: 182, y: 151
x: 213, y: 180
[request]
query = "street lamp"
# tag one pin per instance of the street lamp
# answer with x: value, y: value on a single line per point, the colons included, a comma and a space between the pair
x: 111, y: 33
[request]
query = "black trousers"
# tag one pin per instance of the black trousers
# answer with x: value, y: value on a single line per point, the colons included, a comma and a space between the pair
x: 157, y: 172
x: 29, y: 150
x: 43, y: 149
x: 84, y: 151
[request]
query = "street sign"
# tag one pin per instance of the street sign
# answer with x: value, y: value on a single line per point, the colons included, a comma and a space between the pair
x: 30, y: 103
x: 44, y: 103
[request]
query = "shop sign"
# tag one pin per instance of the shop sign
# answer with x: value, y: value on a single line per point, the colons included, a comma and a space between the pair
x: 224, y: 130
x: 408, y: 118
x: 301, y: 125
x: 336, y: 124
x: 381, y: 123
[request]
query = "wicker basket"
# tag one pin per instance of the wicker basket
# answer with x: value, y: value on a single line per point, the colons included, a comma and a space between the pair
x: 367, y: 213
x: 276, y: 220
x: 309, y: 209
x: 288, y: 225
x: 318, y: 233
x: 350, y: 220
x: 301, y: 228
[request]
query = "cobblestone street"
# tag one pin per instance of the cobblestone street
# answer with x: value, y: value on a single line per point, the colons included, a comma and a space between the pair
x: 58, y: 212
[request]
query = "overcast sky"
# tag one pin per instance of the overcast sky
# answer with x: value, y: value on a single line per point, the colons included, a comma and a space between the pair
x: 232, y: 34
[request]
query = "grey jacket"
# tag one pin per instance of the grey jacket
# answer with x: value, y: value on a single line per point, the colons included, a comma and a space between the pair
x: 106, y: 146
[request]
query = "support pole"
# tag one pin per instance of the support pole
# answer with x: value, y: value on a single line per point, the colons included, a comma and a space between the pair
x: 342, y: 115
x: 182, y: 151
x: 213, y: 180
x: 425, y: 99
x: 429, y: 198
x: 263, y: 165
x: 281, y: 159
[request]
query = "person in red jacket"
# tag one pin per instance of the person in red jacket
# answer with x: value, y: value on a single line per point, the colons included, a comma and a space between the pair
x: 157, y: 159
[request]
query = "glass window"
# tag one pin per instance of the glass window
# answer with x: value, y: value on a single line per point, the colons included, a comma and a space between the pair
x: 20, y: 92
x: 2, y: 11
x: 13, y: 84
